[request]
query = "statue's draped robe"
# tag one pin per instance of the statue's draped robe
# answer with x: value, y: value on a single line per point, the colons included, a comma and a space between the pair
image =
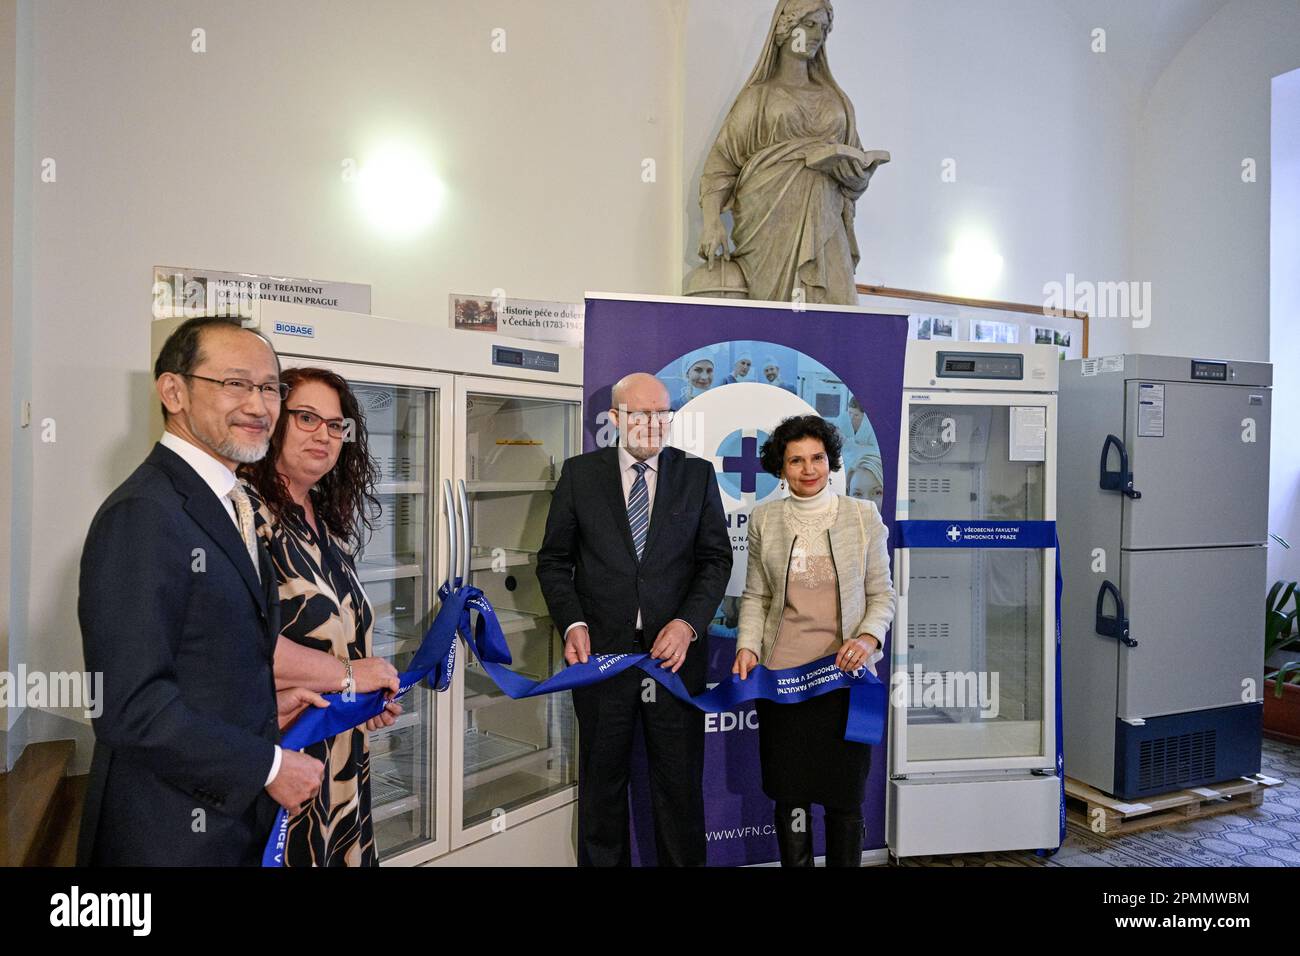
x: 793, y: 226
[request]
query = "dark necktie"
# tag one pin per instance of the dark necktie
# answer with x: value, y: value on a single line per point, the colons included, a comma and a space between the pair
x: 638, y: 508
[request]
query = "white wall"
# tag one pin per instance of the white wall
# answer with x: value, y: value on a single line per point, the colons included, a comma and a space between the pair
x: 1041, y: 127
x: 1284, y: 347
x: 1201, y: 235
x: 231, y: 159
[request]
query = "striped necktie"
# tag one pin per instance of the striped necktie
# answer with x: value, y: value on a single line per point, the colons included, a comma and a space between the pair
x: 638, y: 508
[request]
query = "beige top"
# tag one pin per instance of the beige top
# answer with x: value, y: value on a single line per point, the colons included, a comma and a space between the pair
x: 810, y: 621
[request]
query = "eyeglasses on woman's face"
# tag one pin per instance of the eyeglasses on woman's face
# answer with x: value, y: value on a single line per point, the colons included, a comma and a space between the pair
x: 309, y: 421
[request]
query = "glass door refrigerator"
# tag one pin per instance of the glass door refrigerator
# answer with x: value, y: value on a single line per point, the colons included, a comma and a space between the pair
x: 408, y: 414
x: 491, y: 419
x: 972, y: 734
x: 513, y: 759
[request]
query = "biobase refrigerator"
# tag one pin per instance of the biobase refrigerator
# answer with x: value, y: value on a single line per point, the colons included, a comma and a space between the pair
x: 972, y: 722
x: 1164, y: 518
x: 479, y: 424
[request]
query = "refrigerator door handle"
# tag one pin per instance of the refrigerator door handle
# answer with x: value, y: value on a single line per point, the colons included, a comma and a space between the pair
x: 1117, y: 626
x: 465, y: 531
x: 452, y: 537
x: 1122, y: 480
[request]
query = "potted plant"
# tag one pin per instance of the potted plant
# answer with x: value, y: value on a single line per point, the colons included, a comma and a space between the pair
x: 1282, y: 684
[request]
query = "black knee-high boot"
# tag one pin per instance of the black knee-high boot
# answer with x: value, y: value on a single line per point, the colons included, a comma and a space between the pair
x: 843, y: 837
x: 794, y: 834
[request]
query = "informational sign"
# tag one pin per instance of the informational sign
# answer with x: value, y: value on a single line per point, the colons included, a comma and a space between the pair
x: 733, y: 372
x: 1151, y: 410
x: 1028, y: 433
x: 522, y: 318
x: 1101, y: 365
x: 186, y: 292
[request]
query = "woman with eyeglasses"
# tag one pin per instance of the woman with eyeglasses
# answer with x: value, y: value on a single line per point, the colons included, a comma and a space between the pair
x: 314, y: 497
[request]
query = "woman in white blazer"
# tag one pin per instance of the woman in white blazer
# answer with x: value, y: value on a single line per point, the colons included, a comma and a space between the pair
x: 817, y: 583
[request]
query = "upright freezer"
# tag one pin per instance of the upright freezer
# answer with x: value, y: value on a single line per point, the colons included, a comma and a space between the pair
x: 1163, y: 500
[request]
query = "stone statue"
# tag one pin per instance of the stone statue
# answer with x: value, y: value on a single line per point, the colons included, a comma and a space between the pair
x: 789, y: 165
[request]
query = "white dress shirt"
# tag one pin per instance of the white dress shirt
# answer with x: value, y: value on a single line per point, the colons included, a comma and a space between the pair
x: 628, y: 475
x: 220, y: 479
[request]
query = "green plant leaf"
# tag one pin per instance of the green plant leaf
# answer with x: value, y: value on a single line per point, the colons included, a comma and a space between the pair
x: 1281, y: 676
x: 1278, y: 628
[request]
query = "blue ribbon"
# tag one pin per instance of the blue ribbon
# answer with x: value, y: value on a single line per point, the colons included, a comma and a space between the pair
x: 435, y: 659
x: 999, y: 534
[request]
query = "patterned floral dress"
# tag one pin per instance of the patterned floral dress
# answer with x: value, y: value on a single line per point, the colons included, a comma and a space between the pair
x: 324, y: 607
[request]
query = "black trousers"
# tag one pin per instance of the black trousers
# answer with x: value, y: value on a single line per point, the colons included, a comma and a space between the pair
x: 607, y: 713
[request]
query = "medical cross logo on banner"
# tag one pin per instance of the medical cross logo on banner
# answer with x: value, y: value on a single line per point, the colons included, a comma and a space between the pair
x: 953, y: 532
x: 740, y: 470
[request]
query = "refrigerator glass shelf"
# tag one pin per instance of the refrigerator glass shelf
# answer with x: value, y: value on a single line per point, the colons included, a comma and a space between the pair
x: 483, y: 559
x: 482, y: 487
x: 408, y: 718
x: 388, y: 567
x: 485, y: 751
x: 512, y: 621
x: 399, y: 488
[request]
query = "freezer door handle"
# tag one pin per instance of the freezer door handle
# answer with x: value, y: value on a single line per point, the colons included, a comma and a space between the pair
x: 1117, y: 626
x: 465, y: 529
x: 449, y: 503
x: 1122, y: 480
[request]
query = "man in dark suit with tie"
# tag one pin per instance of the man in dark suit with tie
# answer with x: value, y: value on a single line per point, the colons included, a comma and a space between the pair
x: 179, y: 613
x: 636, y: 558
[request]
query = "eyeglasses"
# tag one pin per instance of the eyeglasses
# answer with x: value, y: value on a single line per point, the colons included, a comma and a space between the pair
x: 239, y: 387
x: 641, y: 419
x: 310, y: 422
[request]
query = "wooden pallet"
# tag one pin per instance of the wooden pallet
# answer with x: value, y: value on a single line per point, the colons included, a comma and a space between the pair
x: 1107, y: 816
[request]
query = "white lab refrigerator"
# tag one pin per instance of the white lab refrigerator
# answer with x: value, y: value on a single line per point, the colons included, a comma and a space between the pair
x: 972, y: 742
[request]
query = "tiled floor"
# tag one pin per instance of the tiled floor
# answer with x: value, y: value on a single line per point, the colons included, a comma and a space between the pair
x: 1266, y: 835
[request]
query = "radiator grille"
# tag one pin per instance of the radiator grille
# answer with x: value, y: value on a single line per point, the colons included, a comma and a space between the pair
x: 1167, y: 763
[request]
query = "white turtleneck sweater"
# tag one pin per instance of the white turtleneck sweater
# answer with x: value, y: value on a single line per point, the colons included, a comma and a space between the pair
x: 811, y: 516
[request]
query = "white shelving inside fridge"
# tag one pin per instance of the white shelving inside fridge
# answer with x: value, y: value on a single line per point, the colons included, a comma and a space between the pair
x: 514, y: 753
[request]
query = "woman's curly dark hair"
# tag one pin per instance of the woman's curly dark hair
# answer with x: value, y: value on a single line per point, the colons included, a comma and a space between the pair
x: 345, y: 497
x: 794, y: 428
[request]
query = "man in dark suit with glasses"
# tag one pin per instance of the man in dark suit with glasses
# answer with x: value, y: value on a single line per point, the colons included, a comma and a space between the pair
x: 179, y: 612
x: 636, y: 558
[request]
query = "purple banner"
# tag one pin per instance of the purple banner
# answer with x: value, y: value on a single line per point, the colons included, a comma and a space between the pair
x: 734, y: 370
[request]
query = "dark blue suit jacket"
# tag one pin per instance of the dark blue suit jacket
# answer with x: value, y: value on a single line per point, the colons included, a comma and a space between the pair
x: 174, y: 617
x: 588, y: 567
